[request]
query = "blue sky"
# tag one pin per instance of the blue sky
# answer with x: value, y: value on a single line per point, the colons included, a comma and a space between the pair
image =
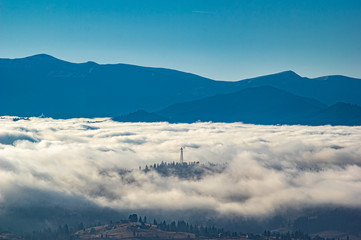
x: 224, y: 40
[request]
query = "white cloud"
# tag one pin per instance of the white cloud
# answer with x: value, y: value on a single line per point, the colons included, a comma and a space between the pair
x: 268, y: 168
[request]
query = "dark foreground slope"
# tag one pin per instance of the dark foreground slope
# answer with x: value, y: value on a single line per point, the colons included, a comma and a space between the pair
x: 306, y: 229
x: 131, y: 230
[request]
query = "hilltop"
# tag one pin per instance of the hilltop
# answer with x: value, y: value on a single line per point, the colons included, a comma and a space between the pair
x: 130, y: 230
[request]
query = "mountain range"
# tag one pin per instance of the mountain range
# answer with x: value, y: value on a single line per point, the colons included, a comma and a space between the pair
x: 42, y: 84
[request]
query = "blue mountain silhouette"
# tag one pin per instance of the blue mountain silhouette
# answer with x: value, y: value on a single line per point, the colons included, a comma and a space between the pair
x: 260, y: 105
x: 327, y: 89
x: 42, y: 84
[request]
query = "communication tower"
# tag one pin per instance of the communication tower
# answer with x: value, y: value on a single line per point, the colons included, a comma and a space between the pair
x: 181, y: 155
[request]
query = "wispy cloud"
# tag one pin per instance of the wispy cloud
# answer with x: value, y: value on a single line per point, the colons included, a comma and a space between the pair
x: 201, y: 12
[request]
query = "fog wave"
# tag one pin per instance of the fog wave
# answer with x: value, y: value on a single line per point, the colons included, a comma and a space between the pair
x: 264, y: 169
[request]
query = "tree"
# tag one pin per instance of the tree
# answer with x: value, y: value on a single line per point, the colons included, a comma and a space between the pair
x: 66, y: 230
x: 173, y: 227
x: 81, y: 226
x: 133, y: 218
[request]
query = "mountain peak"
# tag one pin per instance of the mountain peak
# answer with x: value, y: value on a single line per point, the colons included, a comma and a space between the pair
x: 42, y: 58
x: 288, y: 73
x: 285, y: 75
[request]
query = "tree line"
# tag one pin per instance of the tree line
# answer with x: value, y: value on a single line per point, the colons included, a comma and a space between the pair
x: 64, y: 232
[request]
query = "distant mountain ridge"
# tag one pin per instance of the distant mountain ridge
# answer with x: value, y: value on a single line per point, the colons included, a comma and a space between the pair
x: 337, y: 114
x: 260, y: 105
x: 42, y: 84
x: 326, y: 89
x: 141, y: 116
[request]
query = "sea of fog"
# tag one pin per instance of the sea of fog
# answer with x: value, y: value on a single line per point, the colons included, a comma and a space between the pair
x: 265, y: 169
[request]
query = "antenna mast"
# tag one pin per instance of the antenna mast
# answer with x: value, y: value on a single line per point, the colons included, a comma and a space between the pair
x: 181, y: 155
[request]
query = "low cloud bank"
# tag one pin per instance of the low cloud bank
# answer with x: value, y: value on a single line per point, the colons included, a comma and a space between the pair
x: 268, y: 169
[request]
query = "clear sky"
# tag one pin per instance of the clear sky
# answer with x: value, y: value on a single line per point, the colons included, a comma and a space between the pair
x: 223, y: 39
